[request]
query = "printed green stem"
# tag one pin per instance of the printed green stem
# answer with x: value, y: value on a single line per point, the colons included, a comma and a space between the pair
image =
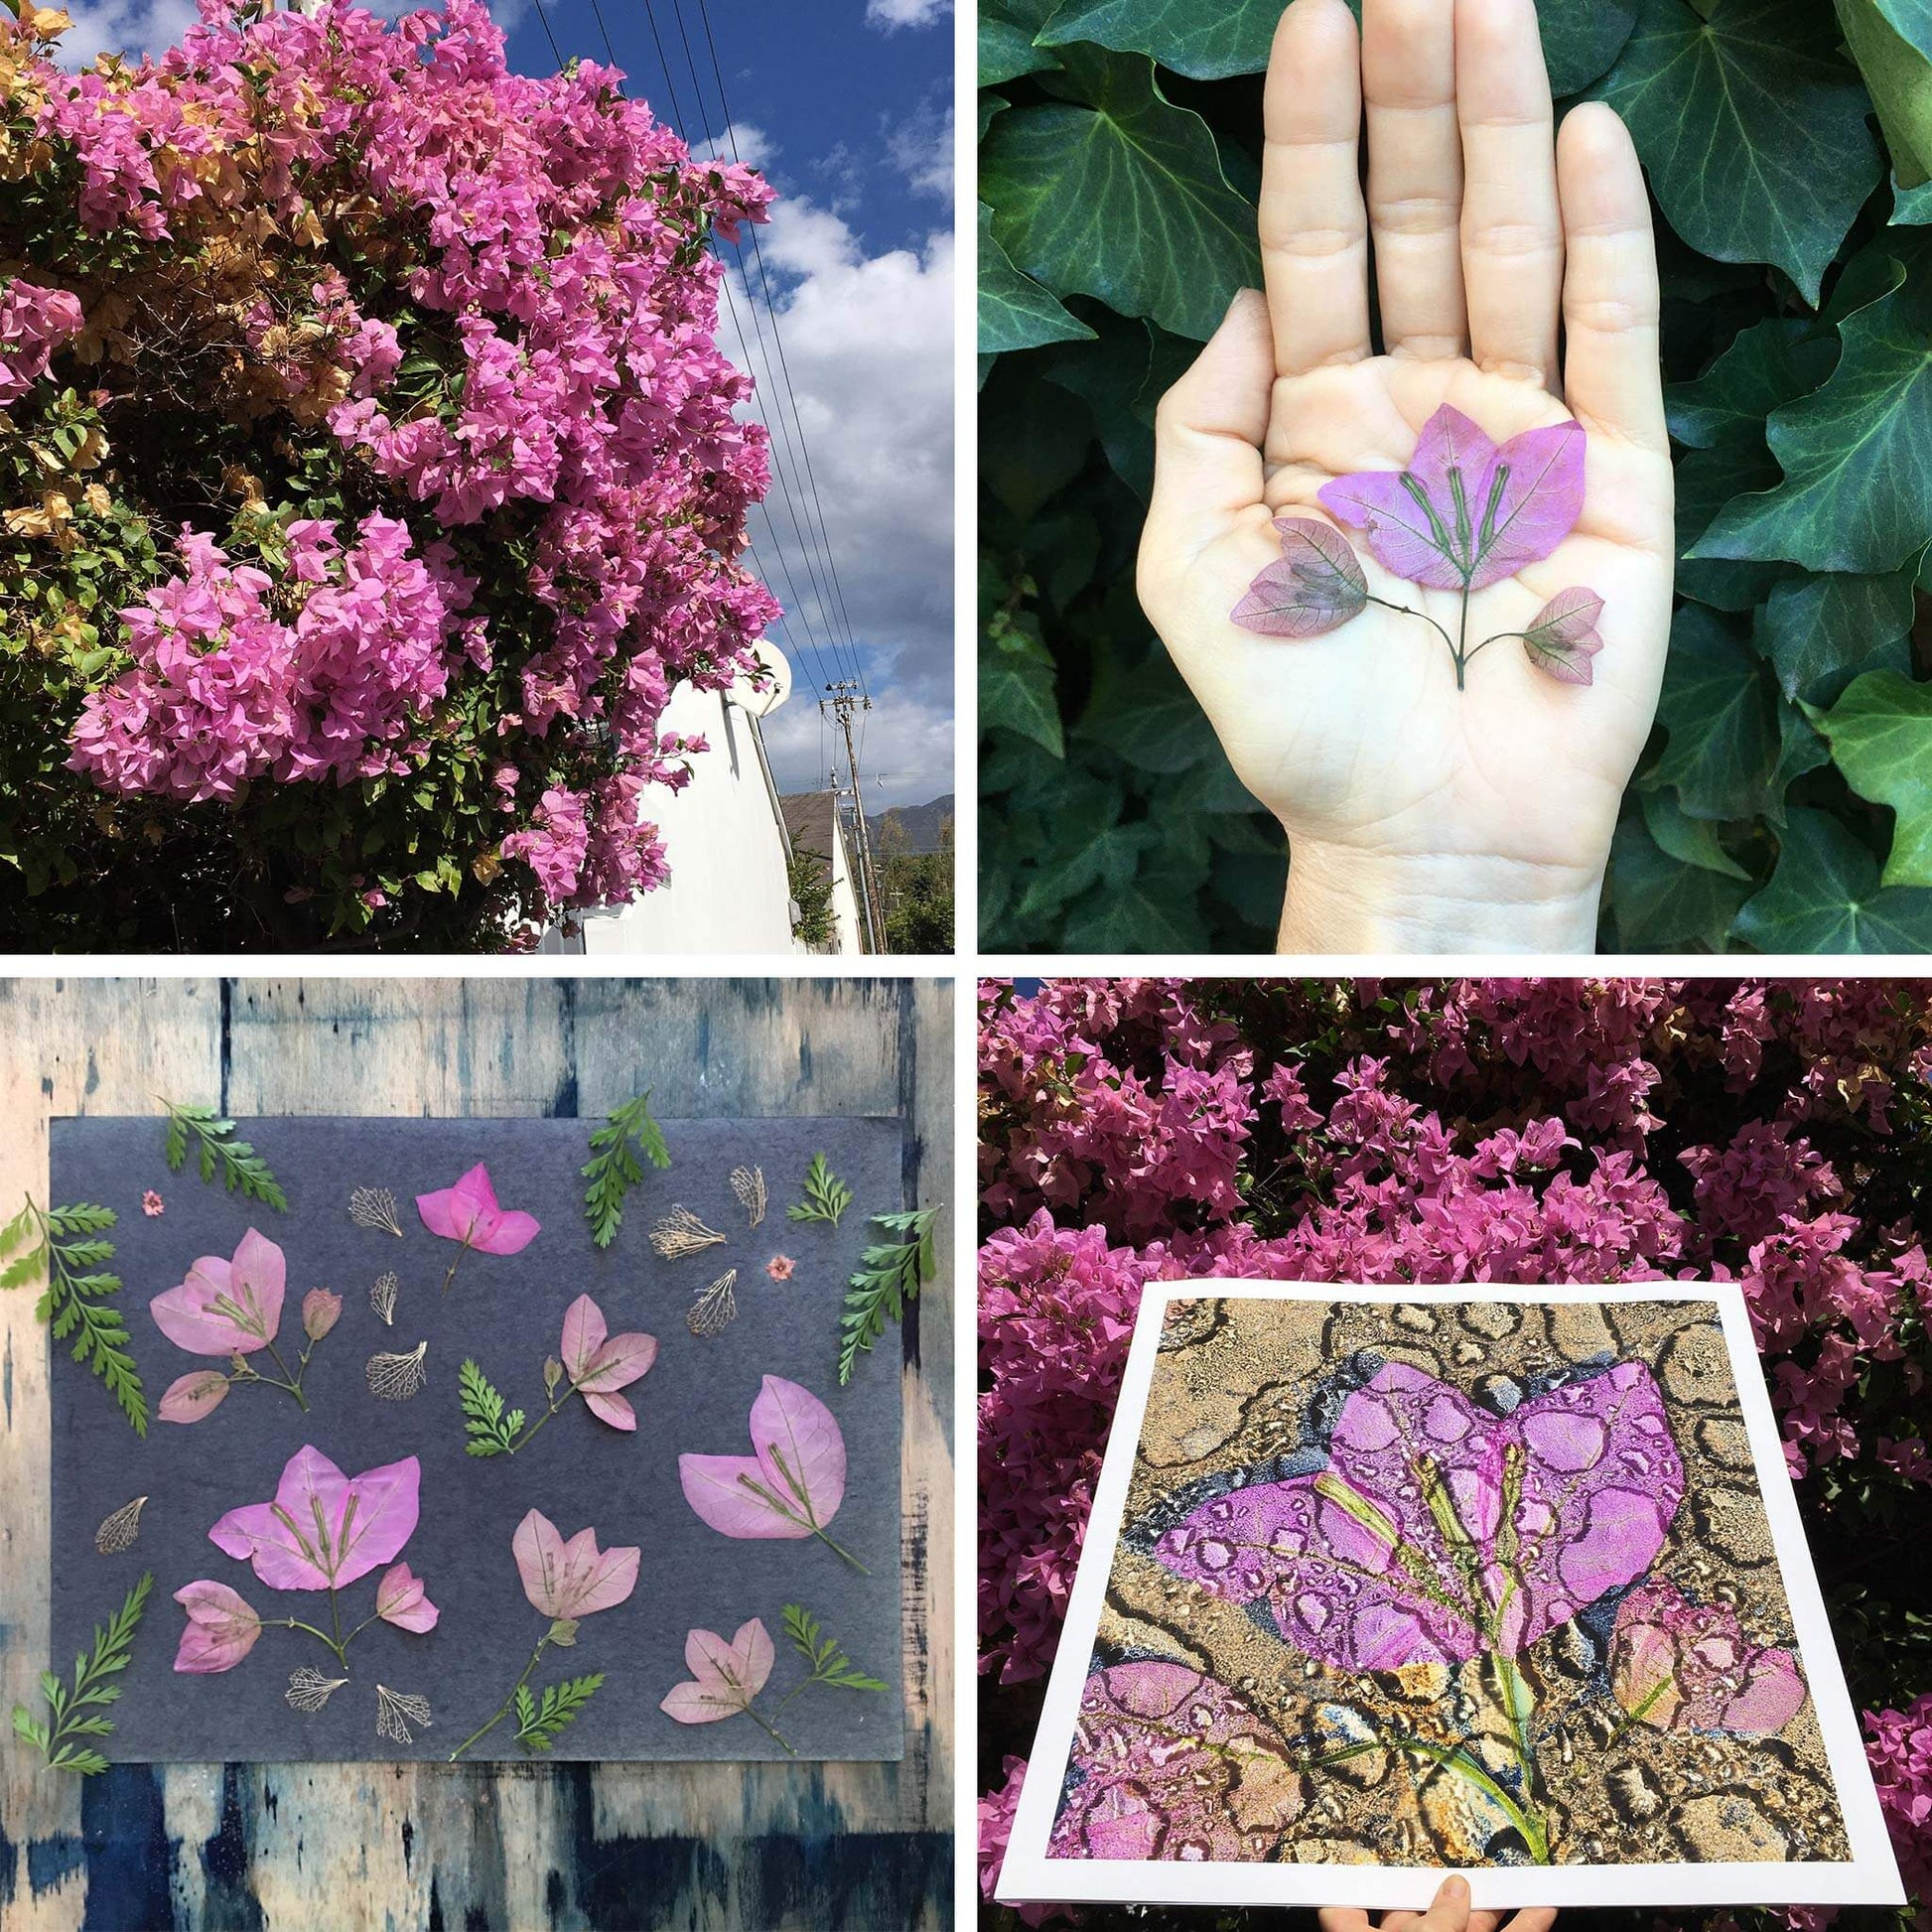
x: 503, y: 1709
x: 1641, y: 1711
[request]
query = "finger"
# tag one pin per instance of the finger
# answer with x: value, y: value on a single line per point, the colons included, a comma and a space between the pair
x: 1538, y: 1918
x: 1512, y: 235
x: 1207, y: 435
x: 1415, y: 174
x: 1314, y: 229
x: 1342, y: 1918
x: 1448, y: 1910
x: 1612, y: 377
x: 1484, y: 1921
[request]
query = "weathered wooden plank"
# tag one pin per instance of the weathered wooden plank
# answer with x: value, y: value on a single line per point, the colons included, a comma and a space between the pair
x: 353, y: 1846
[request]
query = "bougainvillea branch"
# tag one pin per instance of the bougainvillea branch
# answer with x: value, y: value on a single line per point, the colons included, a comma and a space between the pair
x: 593, y: 1364
x: 1466, y: 513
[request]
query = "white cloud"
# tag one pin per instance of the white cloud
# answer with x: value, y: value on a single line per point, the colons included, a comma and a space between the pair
x: 921, y: 149
x: 740, y: 141
x: 906, y: 759
x: 868, y: 344
x: 890, y: 14
x: 137, y: 27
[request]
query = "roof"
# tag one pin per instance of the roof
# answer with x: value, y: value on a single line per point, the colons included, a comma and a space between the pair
x: 811, y: 822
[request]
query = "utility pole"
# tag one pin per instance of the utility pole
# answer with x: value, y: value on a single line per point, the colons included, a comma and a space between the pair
x: 844, y: 697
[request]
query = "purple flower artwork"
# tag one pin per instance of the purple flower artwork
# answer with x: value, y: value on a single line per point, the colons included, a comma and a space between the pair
x: 1469, y: 1588
x: 1467, y: 512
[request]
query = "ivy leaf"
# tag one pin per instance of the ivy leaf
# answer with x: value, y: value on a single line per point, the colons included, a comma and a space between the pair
x: 1767, y: 365
x: 1718, y: 708
x: 1824, y: 896
x: 1006, y: 39
x: 1118, y: 193
x: 1581, y: 39
x: 1017, y: 685
x: 1015, y: 312
x: 1857, y: 456
x: 1690, y: 840
x: 1664, y: 905
x: 1204, y: 43
x: 1820, y: 632
x: 1880, y: 734
x: 1751, y: 129
x: 1154, y: 911
x: 1891, y: 41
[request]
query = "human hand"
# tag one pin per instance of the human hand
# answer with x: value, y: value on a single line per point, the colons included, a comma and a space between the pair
x: 1448, y: 1911
x: 1421, y: 816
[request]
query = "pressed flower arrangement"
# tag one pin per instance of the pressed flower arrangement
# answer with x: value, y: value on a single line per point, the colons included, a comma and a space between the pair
x: 1774, y: 1133
x: 342, y: 592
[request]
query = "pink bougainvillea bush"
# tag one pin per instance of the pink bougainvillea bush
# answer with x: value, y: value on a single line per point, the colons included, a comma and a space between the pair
x: 1776, y: 1133
x: 371, y: 476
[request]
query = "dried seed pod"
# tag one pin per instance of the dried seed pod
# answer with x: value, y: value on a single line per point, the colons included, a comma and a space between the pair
x: 120, y: 1529
x: 383, y: 1299
x: 395, y: 1378
x: 680, y: 1232
x: 396, y: 1710
x: 374, y: 1207
x: 748, y: 1183
x: 715, y: 1308
x: 309, y: 1690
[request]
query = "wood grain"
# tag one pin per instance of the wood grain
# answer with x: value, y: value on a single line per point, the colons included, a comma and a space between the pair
x: 714, y: 1847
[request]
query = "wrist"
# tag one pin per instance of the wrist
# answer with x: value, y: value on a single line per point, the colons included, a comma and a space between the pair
x: 1342, y: 900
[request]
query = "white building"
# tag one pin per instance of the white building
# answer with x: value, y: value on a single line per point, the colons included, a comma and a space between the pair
x: 818, y: 836
x: 725, y: 839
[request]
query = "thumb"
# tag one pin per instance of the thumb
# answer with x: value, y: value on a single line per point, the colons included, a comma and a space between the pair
x: 1448, y: 1910
x: 1207, y: 436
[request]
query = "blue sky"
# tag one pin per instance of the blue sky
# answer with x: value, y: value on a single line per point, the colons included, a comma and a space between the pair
x: 846, y: 104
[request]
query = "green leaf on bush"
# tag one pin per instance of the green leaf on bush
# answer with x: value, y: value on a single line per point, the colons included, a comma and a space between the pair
x: 1581, y: 39
x: 1856, y: 457
x: 1767, y: 365
x: 1751, y: 129
x: 1205, y: 43
x: 1015, y: 312
x: 1891, y: 40
x: 1006, y: 39
x: 1880, y: 734
x: 1117, y: 193
x: 1690, y: 840
x: 1718, y: 709
x: 1824, y: 896
x: 1153, y: 911
x: 1663, y: 904
x: 1820, y: 632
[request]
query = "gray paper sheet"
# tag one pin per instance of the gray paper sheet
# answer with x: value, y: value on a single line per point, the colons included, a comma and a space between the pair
x: 507, y: 1313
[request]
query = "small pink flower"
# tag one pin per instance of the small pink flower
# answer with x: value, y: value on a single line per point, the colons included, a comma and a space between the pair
x: 152, y: 1204
x: 221, y: 1629
x: 568, y: 1580
x: 226, y: 1307
x: 193, y: 1396
x: 321, y: 1311
x: 400, y: 1599
x: 1683, y: 1666
x: 780, y: 1266
x: 600, y: 1363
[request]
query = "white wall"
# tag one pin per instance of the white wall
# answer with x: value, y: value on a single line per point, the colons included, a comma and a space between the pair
x: 722, y: 837
x: 845, y: 898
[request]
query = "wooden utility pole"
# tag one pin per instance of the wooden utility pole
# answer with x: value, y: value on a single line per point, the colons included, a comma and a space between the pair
x: 845, y: 697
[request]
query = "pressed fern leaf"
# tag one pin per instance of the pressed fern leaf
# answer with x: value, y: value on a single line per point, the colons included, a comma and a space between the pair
x: 491, y: 1431
x: 826, y: 1195
x: 829, y: 1663
x: 218, y: 1151
x: 540, y: 1721
x: 889, y: 1275
x: 614, y: 1168
x: 74, y: 1713
x: 65, y: 1242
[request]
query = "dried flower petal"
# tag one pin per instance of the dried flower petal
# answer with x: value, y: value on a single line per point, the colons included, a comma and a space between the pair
x: 748, y: 1183
x: 383, y: 1299
x: 1315, y: 586
x: 375, y: 1208
x: 321, y: 1311
x: 309, y: 1690
x: 680, y: 1232
x: 198, y: 1394
x: 396, y: 1710
x: 570, y: 1580
x: 118, y: 1532
x: 395, y: 1378
x: 716, y: 1307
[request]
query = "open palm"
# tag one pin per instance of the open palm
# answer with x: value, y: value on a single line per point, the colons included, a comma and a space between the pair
x: 1419, y: 813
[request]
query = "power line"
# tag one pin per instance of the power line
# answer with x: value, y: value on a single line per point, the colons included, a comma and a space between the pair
x: 556, y: 52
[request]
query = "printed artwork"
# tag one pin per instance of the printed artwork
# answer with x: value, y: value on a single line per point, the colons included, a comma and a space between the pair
x: 450, y: 1457
x: 1482, y: 1584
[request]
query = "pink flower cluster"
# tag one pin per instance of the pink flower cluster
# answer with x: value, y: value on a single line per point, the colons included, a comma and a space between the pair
x: 1503, y: 1130
x: 542, y: 295
x: 224, y: 691
x: 34, y: 322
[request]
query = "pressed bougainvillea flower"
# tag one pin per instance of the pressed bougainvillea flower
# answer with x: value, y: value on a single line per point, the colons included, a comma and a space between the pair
x: 792, y: 1482
x: 726, y: 1678
x: 1170, y: 1764
x: 594, y: 1364
x: 1683, y: 1666
x: 234, y: 1309
x: 401, y: 1599
x: 1316, y: 586
x: 1465, y: 513
x: 152, y: 1204
x: 220, y: 1630
x: 468, y: 1215
x: 1439, y: 1532
x: 323, y: 1529
x: 567, y: 1581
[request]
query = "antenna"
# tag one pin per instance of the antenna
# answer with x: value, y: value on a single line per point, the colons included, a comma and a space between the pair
x: 844, y: 696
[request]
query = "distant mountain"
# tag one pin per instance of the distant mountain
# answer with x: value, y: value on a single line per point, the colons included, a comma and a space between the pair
x: 919, y: 825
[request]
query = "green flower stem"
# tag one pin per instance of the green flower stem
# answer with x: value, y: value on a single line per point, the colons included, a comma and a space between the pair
x: 804, y: 1522
x: 337, y: 1643
x: 461, y: 1249
x: 503, y: 1709
x: 291, y: 1383
x: 771, y: 1731
x: 556, y: 1404
x: 1403, y: 610
x: 1462, y: 637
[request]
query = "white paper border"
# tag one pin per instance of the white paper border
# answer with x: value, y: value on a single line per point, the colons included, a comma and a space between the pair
x: 1870, y: 1878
